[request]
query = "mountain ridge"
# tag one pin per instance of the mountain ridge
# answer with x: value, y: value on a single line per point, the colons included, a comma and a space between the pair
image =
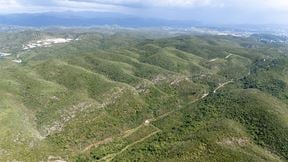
x: 88, y: 19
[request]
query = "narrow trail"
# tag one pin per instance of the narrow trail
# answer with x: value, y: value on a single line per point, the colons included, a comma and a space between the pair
x: 222, y: 85
x: 231, y: 54
x: 107, y: 140
x: 228, y: 56
x: 110, y: 139
x: 215, y: 59
x: 131, y: 131
x: 146, y: 123
x: 110, y: 157
x: 175, y: 110
x: 205, y: 95
x: 212, y: 60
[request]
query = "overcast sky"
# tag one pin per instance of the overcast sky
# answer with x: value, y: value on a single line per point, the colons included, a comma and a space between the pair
x: 211, y: 11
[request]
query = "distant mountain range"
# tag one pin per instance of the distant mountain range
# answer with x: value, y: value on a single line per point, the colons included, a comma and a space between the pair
x: 88, y: 19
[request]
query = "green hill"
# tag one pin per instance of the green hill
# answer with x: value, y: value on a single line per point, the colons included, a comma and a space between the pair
x: 131, y: 96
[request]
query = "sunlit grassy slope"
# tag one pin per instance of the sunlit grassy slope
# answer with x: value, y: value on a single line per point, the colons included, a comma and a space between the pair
x: 130, y: 96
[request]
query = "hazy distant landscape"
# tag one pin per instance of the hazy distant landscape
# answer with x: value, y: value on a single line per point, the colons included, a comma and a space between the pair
x: 128, y: 80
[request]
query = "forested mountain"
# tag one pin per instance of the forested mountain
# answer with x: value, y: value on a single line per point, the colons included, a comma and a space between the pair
x: 140, y: 95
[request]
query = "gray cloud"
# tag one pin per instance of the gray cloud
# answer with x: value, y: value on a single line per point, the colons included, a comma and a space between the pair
x: 224, y: 11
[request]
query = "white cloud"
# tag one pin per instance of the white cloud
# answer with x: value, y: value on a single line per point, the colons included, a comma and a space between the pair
x: 255, y: 4
x: 276, y: 4
x: 86, y: 5
x: 147, y: 3
x: 181, y: 3
x: 10, y: 5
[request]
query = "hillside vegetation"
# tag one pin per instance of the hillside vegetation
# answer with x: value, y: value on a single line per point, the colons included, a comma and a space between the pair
x: 133, y: 96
